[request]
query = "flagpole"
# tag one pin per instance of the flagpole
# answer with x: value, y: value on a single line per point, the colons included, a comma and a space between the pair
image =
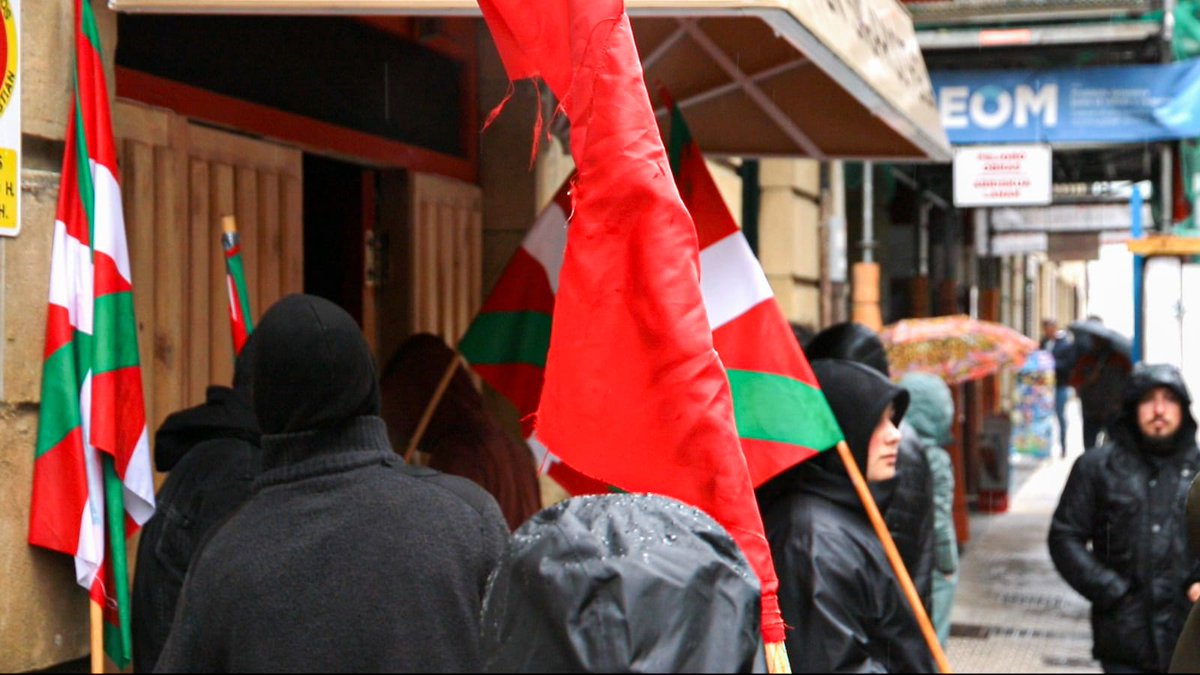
x: 431, y: 407
x: 893, y: 555
x: 777, y: 659
x: 97, y: 629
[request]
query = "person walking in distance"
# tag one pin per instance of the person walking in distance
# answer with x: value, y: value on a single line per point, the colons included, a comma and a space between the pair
x: 1119, y: 534
x: 1062, y: 348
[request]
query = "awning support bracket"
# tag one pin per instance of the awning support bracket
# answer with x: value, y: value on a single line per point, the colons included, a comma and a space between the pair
x: 752, y: 89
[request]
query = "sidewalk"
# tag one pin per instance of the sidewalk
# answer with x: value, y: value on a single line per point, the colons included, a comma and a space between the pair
x: 1013, y: 613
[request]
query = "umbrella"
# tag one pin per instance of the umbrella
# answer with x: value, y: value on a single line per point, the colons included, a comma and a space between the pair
x: 955, y: 348
x: 1094, y: 329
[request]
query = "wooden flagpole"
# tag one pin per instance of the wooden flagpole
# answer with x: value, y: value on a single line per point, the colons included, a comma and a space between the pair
x: 431, y: 407
x: 777, y: 658
x: 893, y: 555
x: 97, y: 630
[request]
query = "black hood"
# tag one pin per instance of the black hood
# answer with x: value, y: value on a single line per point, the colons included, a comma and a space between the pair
x: 858, y: 395
x: 314, y: 369
x: 225, y: 413
x: 852, y: 342
x: 1144, y: 378
x: 622, y: 583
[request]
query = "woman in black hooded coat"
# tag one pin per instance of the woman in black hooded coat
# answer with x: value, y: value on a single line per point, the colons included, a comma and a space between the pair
x: 836, y: 588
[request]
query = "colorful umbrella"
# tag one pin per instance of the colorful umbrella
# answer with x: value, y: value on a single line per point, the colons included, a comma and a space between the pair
x: 955, y: 348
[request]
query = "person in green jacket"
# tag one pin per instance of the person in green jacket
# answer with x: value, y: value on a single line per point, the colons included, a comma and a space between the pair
x: 931, y: 412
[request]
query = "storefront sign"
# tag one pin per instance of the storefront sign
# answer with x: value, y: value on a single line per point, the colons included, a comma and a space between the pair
x: 1004, y: 175
x: 1117, y: 104
x: 10, y: 119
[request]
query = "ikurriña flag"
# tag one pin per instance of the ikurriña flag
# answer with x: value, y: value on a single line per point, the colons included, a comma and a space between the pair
x: 633, y: 392
x: 93, y: 484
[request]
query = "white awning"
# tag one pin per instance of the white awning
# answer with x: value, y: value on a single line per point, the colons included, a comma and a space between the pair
x: 825, y: 79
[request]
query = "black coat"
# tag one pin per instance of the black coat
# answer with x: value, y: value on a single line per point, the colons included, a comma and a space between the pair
x: 1127, y: 504
x: 836, y: 589
x: 909, y: 514
x: 212, y: 454
x: 344, y: 559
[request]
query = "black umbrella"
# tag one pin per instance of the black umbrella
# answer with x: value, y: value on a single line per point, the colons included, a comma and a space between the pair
x: 1098, y: 331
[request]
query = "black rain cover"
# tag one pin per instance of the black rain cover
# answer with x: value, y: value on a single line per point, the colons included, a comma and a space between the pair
x: 622, y: 583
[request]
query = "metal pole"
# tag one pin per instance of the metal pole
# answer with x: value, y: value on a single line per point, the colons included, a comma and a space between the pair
x: 923, y: 237
x: 1135, y: 203
x: 1166, y: 186
x: 868, y: 209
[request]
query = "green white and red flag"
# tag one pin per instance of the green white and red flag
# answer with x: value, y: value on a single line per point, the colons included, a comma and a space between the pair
x: 93, y: 484
x: 240, y: 322
x: 782, y: 417
x: 633, y: 392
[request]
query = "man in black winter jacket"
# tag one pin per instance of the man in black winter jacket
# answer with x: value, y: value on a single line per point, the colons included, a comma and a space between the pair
x: 1126, y: 501
x: 344, y: 559
x: 210, y: 453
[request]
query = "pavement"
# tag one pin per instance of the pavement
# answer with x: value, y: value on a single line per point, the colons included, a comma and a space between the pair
x: 1013, y: 613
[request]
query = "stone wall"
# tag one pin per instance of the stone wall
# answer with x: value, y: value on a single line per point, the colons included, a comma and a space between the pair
x: 43, y: 613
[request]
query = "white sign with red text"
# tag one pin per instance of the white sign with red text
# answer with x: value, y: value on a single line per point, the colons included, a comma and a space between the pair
x: 1002, y: 175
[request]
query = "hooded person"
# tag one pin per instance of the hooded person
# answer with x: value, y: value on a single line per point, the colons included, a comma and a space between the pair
x: 930, y: 414
x: 211, y: 456
x: 907, y: 501
x: 837, y: 590
x: 344, y: 558
x: 461, y: 438
x: 623, y: 583
x: 1119, y: 535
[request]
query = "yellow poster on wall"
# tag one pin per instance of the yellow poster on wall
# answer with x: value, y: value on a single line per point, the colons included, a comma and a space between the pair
x: 10, y: 119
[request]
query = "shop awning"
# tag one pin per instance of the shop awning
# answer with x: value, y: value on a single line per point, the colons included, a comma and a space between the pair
x: 824, y: 79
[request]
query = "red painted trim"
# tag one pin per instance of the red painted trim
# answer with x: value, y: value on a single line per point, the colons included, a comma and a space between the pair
x: 304, y: 132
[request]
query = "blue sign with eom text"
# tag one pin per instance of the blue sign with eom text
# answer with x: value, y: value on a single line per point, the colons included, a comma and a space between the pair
x: 1117, y: 104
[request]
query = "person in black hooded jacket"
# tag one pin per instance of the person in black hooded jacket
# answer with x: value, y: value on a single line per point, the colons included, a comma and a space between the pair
x: 836, y: 588
x: 906, y: 500
x: 344, y: 559
x: 210, y: 453
x: 1119, y: 535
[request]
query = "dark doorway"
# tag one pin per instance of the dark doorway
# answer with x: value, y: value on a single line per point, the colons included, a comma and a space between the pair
x: 334, y: 224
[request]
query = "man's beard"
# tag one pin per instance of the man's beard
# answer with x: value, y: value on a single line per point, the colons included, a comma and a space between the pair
x: 1161, y: 445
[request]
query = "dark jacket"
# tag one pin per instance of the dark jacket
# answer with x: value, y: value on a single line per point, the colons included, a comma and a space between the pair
x: 211, y: 456
x: 836, y: 588
x: 1126, y: 500
x: 344, y: 558
x: 1187, y: 650
x: 623, y: 583
x: 461, y: 438
x: 907, y: 500
x: 909, y: 514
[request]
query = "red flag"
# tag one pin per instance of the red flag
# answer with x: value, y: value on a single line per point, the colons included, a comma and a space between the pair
x: 634, y: 393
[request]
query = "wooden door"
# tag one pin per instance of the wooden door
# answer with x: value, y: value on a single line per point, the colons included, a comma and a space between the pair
x: 430, y: 234
x: 178, y: 180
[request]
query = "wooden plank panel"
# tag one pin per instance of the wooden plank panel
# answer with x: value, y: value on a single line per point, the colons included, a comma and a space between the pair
x: 447, y: 277
x: 429, y: 263
x: 221, y: 199
x: 476, y: 262
x: 462, y: 283
x: 137, y: 122
x: 292, y: 225
x: 199, y: 288
x: 246, y: 211
x: 138, y: 192
x: 270, y: 248
x: 170, y: 292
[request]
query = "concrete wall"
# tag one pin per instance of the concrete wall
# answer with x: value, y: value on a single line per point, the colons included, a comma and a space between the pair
x: 43, y: 613
x: 789, y: 241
